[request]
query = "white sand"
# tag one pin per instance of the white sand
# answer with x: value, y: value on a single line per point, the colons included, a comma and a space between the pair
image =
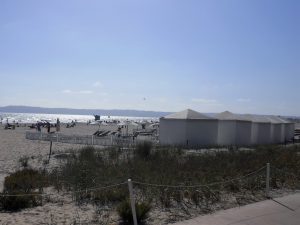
x: 13, y: 146
x: 61, y: 210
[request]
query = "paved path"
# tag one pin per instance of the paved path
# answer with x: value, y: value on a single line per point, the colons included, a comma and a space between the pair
x: 262, y: 213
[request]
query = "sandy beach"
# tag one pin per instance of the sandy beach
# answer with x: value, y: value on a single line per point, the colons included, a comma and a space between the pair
x: 61, y: 209
x: 14, y: 145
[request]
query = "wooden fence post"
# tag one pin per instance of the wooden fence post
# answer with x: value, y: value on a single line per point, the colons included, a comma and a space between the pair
x: 268, y: 181
x: 50, y: 152
x: 132, y: 202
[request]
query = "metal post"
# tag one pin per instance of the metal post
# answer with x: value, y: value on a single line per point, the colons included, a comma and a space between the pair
x: 50, y: 152
x: 56, y: 137
x: 132, y: 201
x: 268, y: 181
x: 92, y: 139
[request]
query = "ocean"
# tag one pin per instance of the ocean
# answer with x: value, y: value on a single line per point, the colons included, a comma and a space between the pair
x: 30, y: 118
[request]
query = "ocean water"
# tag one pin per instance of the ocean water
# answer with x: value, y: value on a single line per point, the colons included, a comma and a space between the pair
x: 64, y: 118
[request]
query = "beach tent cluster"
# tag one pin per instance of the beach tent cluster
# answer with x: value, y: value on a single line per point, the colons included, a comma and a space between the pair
x: 191, y: 128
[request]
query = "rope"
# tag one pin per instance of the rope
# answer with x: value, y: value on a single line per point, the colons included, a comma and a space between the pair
x: 141, y: 183
x: 200, y: 185
x: 100, y: 188
x: 23, y: 195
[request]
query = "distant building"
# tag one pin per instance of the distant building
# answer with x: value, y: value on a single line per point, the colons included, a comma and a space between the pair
x: 191, y: 128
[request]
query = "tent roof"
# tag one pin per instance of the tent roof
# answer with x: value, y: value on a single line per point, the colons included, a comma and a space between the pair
x: 188, y: 114
x: 231, y: 116
x: 257, y: 118
x: 276, y: 119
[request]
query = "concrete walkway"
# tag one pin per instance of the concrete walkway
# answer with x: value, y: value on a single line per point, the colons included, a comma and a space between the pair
x: 282, y: 211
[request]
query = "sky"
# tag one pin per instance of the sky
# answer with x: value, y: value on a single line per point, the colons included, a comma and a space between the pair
x: 161, y: 55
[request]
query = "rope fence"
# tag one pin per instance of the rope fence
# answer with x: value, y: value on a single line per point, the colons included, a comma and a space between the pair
x: 199, y: 185
x: 263, y: 173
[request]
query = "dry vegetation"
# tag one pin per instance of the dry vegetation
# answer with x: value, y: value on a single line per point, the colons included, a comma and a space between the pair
x: 172, y: 169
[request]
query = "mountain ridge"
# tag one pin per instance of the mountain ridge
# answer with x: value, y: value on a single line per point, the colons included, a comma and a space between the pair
x: 72, y: 111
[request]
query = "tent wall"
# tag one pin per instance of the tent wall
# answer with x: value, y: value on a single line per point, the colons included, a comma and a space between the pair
x: 172, y: 132
x: 254, y: 133
x: 263, y: 133
x: 227, y: 132
x: 194, y: 129
x: 276, y: 133
x: 289, y: 131
x: 282, y: 133
x: 202, y: 132
x: 243, y: 133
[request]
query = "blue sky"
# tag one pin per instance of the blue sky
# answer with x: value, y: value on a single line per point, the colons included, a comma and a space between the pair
x: 163, y: 55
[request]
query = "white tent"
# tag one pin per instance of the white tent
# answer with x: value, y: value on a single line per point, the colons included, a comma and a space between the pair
x: 195, y: 129
x: 289, y: 131
x: 104, y: 123
x: 234, y: 129
x: 121, y: 124
x: 227, y: 128
x: 277, y: 129
x: 261, y: 129
x: 188, y: 128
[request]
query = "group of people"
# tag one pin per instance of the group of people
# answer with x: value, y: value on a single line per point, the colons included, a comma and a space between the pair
x: 10, y: 126
x: 73, y: 124
x: 47, y: 125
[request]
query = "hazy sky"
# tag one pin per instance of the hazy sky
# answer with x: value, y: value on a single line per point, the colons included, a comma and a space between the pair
x: 164, y: 55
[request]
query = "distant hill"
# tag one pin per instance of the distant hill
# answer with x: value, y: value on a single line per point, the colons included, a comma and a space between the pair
x: 102, y: 112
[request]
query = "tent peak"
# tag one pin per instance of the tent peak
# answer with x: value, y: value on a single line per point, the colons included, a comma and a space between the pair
x: 188, y: 114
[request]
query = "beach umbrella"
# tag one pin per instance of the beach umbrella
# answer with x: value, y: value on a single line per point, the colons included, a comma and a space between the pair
x: 154, y: 125
x: 122, y: 124
x: 134, y: 124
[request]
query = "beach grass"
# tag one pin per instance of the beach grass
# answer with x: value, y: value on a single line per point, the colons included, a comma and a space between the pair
x: 163, y: 177
x: 169, y: 166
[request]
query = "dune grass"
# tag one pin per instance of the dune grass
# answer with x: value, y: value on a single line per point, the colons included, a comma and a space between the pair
x: 90, y: 168
x: 172, y: 166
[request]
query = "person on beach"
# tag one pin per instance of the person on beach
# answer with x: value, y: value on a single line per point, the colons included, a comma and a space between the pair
x: 48, y: 127
x: 38, y: 126
x: 57, y: 125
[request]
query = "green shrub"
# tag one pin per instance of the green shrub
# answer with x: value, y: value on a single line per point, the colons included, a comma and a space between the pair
x: 87, y: 154
x: 143, y: 150
x: 15, y: 203
x: 24, y: 181
x: 142, y: 211
x: 20, y: 188
x: 110, y: 196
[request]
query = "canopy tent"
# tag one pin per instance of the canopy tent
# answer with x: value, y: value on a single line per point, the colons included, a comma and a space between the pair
x: 277, y: 129
x: 192, y: 128
x: 234, y: 129
x: 188, y: 127
x: 227, y: 128
x: 289, y: 131
x: 261, y: 129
